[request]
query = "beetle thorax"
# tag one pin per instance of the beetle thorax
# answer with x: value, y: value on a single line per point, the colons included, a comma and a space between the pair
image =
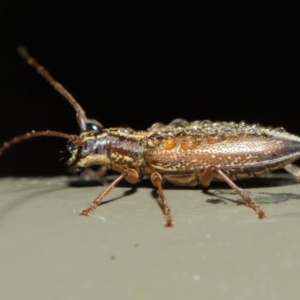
x: 114, y: 148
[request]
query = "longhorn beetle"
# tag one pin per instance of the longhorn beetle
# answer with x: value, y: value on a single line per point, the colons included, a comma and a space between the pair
x: 184, y: 153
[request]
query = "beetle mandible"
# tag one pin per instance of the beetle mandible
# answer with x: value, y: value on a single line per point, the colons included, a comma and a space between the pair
x: 184, y: 153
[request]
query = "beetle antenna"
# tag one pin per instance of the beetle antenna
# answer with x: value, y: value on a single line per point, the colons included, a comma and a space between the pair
x: 49, y: 133
x: 81, y: 117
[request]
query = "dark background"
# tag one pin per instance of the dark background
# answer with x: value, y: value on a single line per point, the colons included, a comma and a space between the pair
x: 136, y: 64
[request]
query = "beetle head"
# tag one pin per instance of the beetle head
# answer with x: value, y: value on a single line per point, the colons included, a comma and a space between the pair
x: 91, y: 150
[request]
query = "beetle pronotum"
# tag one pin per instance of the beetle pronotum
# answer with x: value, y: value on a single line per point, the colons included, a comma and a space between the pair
x: 185, y: 153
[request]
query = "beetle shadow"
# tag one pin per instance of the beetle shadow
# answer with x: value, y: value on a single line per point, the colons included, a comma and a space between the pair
x: 102, y: 183
x: 105, y: 181
x: 266, y: 181
x: 22, y: 199
x: 131, y: 191
x: 221, y: 189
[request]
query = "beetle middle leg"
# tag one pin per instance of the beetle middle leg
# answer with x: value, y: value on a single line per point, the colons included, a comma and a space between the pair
x: 210, y: 173
x: 156, y: 180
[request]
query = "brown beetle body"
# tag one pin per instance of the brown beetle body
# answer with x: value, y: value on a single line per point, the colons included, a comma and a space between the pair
x: 189, y: 153
x: 182, y: 150
x: 184, y: 153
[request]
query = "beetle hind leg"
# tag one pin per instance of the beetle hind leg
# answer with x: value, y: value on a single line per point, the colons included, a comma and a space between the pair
x: 293, y: 169
x: 212, y: 172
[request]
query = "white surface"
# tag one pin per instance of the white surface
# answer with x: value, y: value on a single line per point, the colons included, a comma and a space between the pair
x: 123, y: 251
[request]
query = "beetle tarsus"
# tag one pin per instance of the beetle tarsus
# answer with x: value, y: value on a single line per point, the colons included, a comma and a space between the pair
x: 261, y: 214
x: 89, y: 210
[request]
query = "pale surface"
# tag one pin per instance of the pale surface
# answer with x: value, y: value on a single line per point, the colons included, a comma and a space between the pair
x: 217, y: 249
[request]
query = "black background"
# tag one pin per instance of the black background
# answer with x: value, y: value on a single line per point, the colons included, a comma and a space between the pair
x: 135, y: 64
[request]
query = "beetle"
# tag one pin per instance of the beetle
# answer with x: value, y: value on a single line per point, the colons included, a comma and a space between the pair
x: 184, y: 153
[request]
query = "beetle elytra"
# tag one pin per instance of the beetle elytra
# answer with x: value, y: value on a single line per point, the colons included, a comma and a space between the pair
x: 184, y: 153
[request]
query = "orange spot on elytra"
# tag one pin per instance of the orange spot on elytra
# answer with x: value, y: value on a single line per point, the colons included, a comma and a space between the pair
x: 170, y: 143
x: 188, y: 144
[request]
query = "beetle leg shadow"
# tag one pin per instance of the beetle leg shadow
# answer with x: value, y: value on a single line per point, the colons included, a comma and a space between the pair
x: 129, y: 192
x: 155, y: 195
x: 221, y: 199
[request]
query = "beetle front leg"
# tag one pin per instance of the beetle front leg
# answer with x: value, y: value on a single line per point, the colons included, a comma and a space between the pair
x: 212, y: 172
x: 127, y: 173
x: 91, y: 175
x: 156, y: 180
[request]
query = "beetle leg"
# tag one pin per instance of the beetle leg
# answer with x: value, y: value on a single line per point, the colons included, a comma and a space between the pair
x: 156, y: 180
x: 293, y: 169
x: 213, y: 172
x: 97, y: 202
x: 98, y: 175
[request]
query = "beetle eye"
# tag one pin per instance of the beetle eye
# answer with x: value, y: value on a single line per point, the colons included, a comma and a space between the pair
x: 93, y: 125
x: 71, y: 147
x: 86, y: 148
